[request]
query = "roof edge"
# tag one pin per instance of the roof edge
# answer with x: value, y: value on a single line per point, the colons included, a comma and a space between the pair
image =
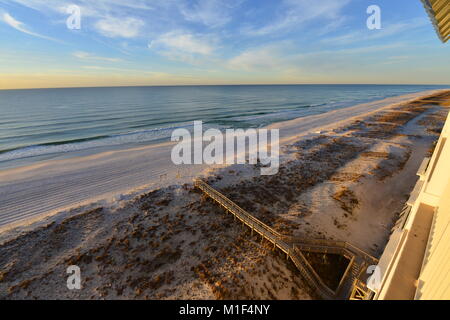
x: 432, y: 15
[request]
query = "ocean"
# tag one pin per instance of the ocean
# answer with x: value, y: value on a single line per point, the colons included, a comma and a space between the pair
x: 39, y: 124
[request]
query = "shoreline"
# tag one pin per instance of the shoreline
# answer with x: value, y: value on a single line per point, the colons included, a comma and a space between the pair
x: 23, y: 149
x: 346, y: 184
x: 94, y: 172
x: 31, y: 160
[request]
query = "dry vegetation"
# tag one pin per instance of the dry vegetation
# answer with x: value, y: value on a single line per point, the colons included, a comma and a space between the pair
x: 317, y: 161
x: 163, y: 249
x: 347, y: 200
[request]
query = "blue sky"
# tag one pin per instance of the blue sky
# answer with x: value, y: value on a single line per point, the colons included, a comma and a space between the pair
x: 166, y: 42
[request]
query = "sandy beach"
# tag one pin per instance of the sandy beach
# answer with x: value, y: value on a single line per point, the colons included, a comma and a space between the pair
x: 32, y: 192
x: 136, y: 227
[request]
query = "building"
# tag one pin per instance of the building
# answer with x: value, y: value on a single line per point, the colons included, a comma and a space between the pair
x: 439, y: 13
x: 416, y: 261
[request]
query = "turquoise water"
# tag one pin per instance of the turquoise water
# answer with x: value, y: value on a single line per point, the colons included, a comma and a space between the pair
x: 51, y: 122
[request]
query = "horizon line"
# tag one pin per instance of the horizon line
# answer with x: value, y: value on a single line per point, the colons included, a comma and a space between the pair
x: 229, y: 85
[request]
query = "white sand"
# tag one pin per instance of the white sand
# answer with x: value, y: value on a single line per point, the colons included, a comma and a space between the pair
x: 31, y: 192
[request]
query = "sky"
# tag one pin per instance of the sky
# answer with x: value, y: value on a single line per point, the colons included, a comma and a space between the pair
x: 208, y: 42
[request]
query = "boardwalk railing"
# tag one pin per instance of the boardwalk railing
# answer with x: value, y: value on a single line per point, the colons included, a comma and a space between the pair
x: 293, y: 247
x: 332, y: 246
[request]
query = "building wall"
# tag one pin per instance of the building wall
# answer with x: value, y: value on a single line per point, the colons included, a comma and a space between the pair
x: 434, y: 280
x: 416, y: 262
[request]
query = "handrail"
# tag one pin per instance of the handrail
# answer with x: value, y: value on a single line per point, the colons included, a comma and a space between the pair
x: 295, y: 255
x: 314, y: 277
x: 238, y: 209
x: 289, y: 245
x: 333, y: 244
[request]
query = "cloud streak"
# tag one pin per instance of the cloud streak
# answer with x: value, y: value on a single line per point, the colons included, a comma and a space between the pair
x: 294, y: 13
x: 182, y: 41
x: 119, y: 27
x: 266, y: 58
x: 88, y: 56
x: 391, y: 29
x: 20, y: 26
x: 211, y: 13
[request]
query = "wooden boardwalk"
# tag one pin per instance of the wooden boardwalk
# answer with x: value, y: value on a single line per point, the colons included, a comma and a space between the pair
x: 294, y: 248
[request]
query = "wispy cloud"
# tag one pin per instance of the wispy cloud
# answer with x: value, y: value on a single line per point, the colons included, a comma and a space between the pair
x: 212, y: 13
x: 193, y: 49
x: 125, y: 70
x: 281, y: 57
x: 295, y: 13
x: 88, y: 56
x: 97, y: 8
x: 388, y: 30
x: 119, y: 27
x: 258, y: 59
x: 110, y: 18
x: 20, y: 26
x: 183, y: 42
